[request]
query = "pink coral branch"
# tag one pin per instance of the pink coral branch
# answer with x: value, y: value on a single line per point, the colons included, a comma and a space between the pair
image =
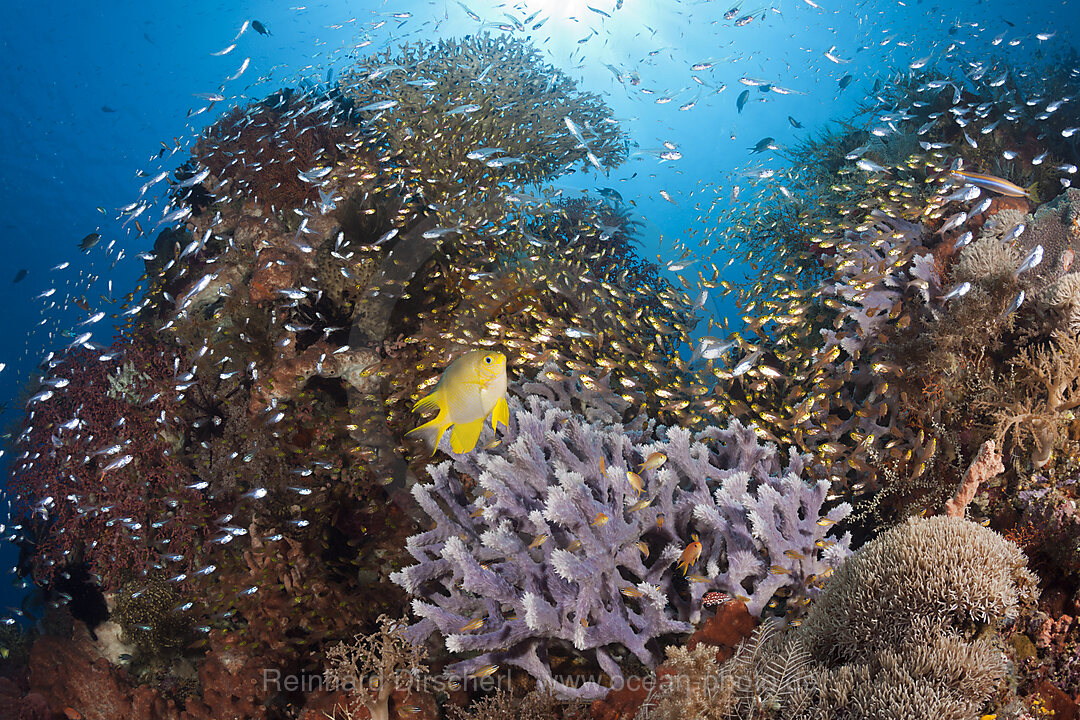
x: 987, y: 465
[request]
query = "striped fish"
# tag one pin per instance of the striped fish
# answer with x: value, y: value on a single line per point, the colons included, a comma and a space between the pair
x: 992, y: 183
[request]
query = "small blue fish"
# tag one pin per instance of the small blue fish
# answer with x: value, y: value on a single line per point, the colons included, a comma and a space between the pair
x: 1016, y: 232
x: 463, y: 109
x: 1015, y: 304
x: 958, y: 291
x: 1033, y: 258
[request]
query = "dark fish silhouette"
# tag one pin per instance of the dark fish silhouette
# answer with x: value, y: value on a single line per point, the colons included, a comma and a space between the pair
x: 610, y: 194
x: 743, y: 96
x: 794, y: 123
x: 259, y: 27
x: 89, y: 241
x: 20, y: 275
x: 846, y: 80
x: 762, y: 145
x: 106, y: 108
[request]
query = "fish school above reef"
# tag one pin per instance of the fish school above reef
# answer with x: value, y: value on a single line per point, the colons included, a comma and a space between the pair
x: 861, y: 503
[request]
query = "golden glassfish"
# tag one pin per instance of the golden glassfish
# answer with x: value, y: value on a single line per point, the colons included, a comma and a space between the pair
x: 484, y: 671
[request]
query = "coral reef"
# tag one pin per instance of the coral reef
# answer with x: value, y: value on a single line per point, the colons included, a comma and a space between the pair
x: 893, y: 635
x: 557, y: 547
x: 97, y: 467
x: 264, y: 151
x: 230, y: 481
x: 375, y: 666
x: 505, y: 705
x: 255, y: 510
x: 479, y: 111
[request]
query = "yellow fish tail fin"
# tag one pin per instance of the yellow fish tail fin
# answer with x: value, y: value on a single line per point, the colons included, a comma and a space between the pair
x: 464, y: 435
x: 428, y: 402
x: 1033, y: 192
x: 432, y: 431
x: 500, y: 414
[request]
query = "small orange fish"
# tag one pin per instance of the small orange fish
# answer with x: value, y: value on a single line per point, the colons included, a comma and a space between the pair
x: 635, y: 481
x: 600, y: 520
x: 652, y: 462
x: 690, y: 555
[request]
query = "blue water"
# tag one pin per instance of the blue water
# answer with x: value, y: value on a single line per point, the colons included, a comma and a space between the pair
x: 94, y: 92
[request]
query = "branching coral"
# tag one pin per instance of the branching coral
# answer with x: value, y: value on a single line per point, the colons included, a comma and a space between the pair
x: 505, y: 705
x: 559, y: 548
x: 374, y: 666
x: 770, y: 676
x: 1036, y: 408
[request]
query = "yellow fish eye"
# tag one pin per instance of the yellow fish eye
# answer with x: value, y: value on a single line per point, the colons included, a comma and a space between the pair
x: 489, y: 359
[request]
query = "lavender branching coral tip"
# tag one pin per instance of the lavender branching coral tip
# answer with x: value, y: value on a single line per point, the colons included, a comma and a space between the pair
x: 557, y: 549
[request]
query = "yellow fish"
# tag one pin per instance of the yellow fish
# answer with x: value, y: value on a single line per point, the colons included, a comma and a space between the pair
x: 653, y: 461
x: 470, y: 389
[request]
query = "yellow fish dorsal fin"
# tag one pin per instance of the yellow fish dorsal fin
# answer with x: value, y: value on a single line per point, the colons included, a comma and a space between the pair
x: 463, y: 437
x: 428, y: 402
x: 500, y: 414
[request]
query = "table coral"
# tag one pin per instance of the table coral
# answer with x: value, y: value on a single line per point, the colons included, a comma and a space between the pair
x: 435, y: 105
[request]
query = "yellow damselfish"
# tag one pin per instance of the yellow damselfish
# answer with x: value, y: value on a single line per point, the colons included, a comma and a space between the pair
x: 470, y: 389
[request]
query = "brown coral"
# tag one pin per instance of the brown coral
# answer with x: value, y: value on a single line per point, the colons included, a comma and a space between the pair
x: 373, y: 666
x: 949, y: 570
